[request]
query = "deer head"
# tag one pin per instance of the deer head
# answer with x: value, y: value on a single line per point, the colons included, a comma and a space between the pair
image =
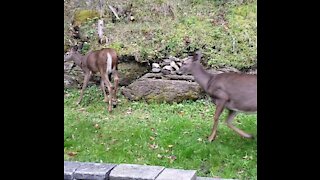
x: 68, y: 56
x: 189, y: 63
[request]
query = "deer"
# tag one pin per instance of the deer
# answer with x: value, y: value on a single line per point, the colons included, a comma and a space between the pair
x: 236, y: 92
x: 103, y: 61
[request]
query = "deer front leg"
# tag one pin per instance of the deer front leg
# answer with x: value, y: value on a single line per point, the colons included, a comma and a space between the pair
x: 85, y: 83
x: 103, y: 89
x: 219, y: 108
x: 231, y: 116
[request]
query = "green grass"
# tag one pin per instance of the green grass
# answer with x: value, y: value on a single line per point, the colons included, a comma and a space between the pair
x: 170, y: 135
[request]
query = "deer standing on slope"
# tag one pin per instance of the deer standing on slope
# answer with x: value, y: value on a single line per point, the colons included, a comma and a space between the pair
x: 233, y: 91
x: 104, y: 61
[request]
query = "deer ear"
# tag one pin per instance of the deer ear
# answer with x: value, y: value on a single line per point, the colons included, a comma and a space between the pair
x: 197, y: 55
x: 74, y: 48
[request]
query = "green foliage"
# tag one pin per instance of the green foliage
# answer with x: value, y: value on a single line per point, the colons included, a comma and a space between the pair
x: 81, y: 16
x: 170, y: 135
x: 225, y: 31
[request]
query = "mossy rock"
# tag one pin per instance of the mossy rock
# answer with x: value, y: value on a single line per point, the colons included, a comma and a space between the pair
x: 162, y: 90
x: 82, y: 16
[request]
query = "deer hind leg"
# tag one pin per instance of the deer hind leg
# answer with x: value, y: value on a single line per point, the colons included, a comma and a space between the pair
x: 85, y: 83
x: 116, y: 82
x: 106, y: 80
x: 219, y: 109
x: 103, y: 89
x: 230, y: 118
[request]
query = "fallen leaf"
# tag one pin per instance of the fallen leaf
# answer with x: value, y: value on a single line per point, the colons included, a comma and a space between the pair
x: 153, y: 146
x: 152, y: 138
x: 159, y: 156
x: 181, y: 113
x: 82, y: 109
x: 129, y: 111
x: 199, y: 139
x: 172, y: 158
x: 72, y: 153
x: 170, y: 146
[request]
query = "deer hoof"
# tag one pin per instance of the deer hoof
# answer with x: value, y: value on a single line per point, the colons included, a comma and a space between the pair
x: 211, y: 138
x: 250, y: 136
x: 78, y: 102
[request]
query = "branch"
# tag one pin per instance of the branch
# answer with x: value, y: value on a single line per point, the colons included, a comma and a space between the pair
x: 114, y: 11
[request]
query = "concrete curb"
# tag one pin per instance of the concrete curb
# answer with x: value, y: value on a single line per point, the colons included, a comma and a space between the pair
x: 102, y: 171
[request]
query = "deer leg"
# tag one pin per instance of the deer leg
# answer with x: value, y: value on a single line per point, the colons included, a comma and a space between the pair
x: 219, y: 109
x: 229, y: 120
x: 105, y: 78
x: 116, y: 82
x: 103, y: 89
x: 85, y: 83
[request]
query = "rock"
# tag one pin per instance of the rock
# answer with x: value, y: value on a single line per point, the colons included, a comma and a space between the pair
x: 229, y: 69
x: 165, y: 62
x: 156, y: 70
x: 155, y: 65
x: 165, y: 71
x: 174, y: 65
x: 172, y: 58
x: 169, y: 68
x: 150, y: 88
x: 93, y: 171
x: 135, y: 172
x: 69, y: 169
x: 174, y: 174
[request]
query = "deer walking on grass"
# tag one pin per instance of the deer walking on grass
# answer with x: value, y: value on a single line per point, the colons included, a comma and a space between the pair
x: 103, y: 61
x: 232, y: 91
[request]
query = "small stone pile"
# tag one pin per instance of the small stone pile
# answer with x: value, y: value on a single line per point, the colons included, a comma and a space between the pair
x: 168, y: 66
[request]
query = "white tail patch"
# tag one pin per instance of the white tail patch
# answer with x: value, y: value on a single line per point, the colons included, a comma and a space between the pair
x: 109, y: 63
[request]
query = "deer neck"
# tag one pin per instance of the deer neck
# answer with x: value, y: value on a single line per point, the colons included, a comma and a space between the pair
x: 201, y: 76
x: 78, y: 59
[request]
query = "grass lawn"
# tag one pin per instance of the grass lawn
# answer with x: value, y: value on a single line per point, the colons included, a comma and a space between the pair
x: 169, y: 135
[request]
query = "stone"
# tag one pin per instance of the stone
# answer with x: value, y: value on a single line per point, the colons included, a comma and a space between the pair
x: 156, y: 70
x: 155, y: 65
x: 167, y: 68
x: 160, y: 88
x: 174, y: 65
x: 177, y: 174
x: 135, y: 172
x: 69, y: 169
x: 165, y: 71
x: 93, y: 171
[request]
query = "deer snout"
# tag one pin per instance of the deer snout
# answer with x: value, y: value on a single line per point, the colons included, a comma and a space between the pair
x: 179, y: 72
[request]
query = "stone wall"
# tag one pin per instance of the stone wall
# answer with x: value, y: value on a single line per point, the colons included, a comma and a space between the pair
x: 103, y: 171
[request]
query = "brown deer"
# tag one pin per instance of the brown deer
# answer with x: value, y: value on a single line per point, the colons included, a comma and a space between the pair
x: 233, y: 91
x: 104, y: 61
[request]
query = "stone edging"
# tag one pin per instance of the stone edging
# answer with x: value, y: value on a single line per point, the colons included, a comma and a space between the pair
x: 103, y: 171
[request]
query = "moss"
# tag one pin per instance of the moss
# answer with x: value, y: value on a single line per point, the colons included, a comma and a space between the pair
x: 226, y: 32
x: 66, y: 48
x: 82, y: 16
